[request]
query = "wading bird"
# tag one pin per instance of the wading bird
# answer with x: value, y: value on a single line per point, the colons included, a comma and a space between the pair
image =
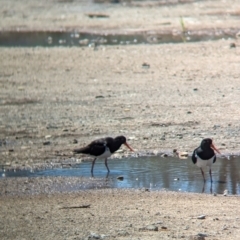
x: 204, y: 155
x: 103, y: 148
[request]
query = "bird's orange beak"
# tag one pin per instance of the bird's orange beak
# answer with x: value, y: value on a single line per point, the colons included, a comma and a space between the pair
x: 126, y: 144
x: 214, y: 148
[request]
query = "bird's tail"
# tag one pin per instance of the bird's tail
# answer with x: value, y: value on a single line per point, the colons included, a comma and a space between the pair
x: 81, y: 150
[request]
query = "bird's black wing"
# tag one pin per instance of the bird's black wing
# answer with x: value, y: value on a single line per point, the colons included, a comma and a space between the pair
x: 205, y: 154
x: 194, y: 158
x: 95, y: 148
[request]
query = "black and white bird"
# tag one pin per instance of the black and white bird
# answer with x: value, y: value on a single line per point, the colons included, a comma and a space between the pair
x: 204, y: 156
x: 103, y: 148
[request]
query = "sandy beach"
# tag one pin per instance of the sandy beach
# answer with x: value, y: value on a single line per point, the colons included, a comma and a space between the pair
x: 160, y: 96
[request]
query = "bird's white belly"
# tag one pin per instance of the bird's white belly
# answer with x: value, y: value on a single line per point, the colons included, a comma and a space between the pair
x: 204, y: 163
x: 106, y: 154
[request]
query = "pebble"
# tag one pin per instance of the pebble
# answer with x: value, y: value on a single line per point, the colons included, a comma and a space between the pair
x: 202, y: 235
x: 183, y: 155
x: 94, y: 236
x: 232, y: 45
x: 225, y: 193
x: 75, y: 141
x: 120, y: 178
x: 145, y: 65
x: 120, y: 151
x: 25, y: 147
x: 201, y: 217
x: 149, y: 228
x: 46, y: 143
x: 132, y: 138
x: 123, y: 233
x: 164, y: 155
x: 196, y: 238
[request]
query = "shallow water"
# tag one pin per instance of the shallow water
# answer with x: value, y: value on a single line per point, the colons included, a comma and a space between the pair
x: 154, y: 173
x: 83, y: 39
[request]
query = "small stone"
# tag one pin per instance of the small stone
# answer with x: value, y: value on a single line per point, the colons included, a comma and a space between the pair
x: 150, y: 228
x: 183, y: 155
x: 120, y: 151
x: 145, y: 65
x: 46, y: 143
x: 84, y: 42
x: 75, y: 141
x: 164, y: 155
x: 103, y: 236
x: 129, y: 225
x: 48, y: 136
x: 163, y: 227
x: 195, y: 89
x: 225, y: 193
x: 196, y: 238
x: 201, y: 217
x: 132, y: 138
x: 123, y: 233
x: 99, y: 96
x: 232, y: 45
x: 94, y: 236
x: 25, y: 147
x: 202, y: 235
x: 120, y: 178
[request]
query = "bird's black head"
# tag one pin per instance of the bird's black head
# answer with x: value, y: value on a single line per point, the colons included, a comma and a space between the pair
x: 121, y: 139
x: 206, y: 143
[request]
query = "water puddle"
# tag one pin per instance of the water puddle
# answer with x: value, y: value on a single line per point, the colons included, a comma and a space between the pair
x: 83, y: 39
x: 153, y: 173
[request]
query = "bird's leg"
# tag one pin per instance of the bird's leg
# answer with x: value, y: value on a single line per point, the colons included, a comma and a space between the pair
x: 210, y: 172
x: 203, y: 174
x: 203, y: 188
x: 93, y: 162
x: 106, y: 164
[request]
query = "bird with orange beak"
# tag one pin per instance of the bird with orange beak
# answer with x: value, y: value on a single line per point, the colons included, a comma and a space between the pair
x: 204, y: 156
x: 103, y: 148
